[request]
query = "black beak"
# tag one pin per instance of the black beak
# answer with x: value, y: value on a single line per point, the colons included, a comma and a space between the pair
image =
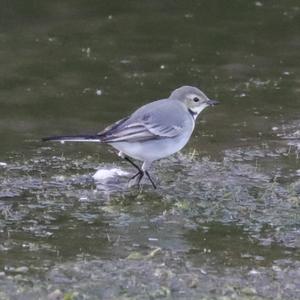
x: 212, y: 102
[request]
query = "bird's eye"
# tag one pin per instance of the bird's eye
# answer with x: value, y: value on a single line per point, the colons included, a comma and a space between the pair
x: 196, y: 99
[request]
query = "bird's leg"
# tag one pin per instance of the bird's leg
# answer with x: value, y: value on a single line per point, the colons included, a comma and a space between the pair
x: 146, y: 165
x: 139, y: 174
x: 148, y: 175
x: 136, y: 179
x: 141, y: 171
x: 135, y: 165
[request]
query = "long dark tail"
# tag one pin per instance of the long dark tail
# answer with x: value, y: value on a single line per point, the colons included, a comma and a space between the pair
x: 74, y: 138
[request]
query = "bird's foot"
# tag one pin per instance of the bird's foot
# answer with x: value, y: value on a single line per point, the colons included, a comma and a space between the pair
x: 136, y: 179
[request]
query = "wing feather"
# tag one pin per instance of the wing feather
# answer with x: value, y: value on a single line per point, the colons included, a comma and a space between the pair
x: 152, y: 121
x: 137, y: 132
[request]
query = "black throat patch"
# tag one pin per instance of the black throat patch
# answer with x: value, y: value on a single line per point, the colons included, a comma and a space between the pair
x: 193, y: 114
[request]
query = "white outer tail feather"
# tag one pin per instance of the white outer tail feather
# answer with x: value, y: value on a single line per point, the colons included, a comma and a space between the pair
x: 78, y: 138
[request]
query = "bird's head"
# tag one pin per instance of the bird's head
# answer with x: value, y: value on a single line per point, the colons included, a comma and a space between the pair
x: 194, y: 100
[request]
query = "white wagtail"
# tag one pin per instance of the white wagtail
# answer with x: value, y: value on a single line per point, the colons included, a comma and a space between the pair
x: 155, y: 130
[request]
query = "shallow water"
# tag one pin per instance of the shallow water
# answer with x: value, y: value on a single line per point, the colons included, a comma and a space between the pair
x: 225, y: 220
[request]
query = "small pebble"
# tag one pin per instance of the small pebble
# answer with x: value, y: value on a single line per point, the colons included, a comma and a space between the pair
x: 276, y: 268
x: 56, y: 295
x: 22, y: 269
x: 203, y: 272
x: 253, y: 272
x: 83, y: 198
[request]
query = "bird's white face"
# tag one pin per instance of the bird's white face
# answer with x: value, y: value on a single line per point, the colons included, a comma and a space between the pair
x: 194, y: 100
x: 195, y: 103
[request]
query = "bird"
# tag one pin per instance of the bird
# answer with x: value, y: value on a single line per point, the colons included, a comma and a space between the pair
x: 154, y: 131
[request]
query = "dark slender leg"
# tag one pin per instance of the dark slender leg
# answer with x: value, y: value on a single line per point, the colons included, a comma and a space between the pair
x: 140, y: 173
x: 137, y: 174
x: 148, y: 175
x: 135, y: 165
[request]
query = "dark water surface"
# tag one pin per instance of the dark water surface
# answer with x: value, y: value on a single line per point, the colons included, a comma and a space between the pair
x: 225, y: 220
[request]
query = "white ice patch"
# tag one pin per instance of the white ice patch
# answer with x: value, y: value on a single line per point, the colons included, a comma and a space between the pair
x: 98, y: 92
x: 104, y: 174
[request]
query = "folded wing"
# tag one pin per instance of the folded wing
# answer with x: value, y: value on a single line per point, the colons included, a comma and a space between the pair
x: 156, y: 120
x: 138, y: 131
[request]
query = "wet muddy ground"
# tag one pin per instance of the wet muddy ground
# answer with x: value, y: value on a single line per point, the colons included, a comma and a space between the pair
x: 225, y: 220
